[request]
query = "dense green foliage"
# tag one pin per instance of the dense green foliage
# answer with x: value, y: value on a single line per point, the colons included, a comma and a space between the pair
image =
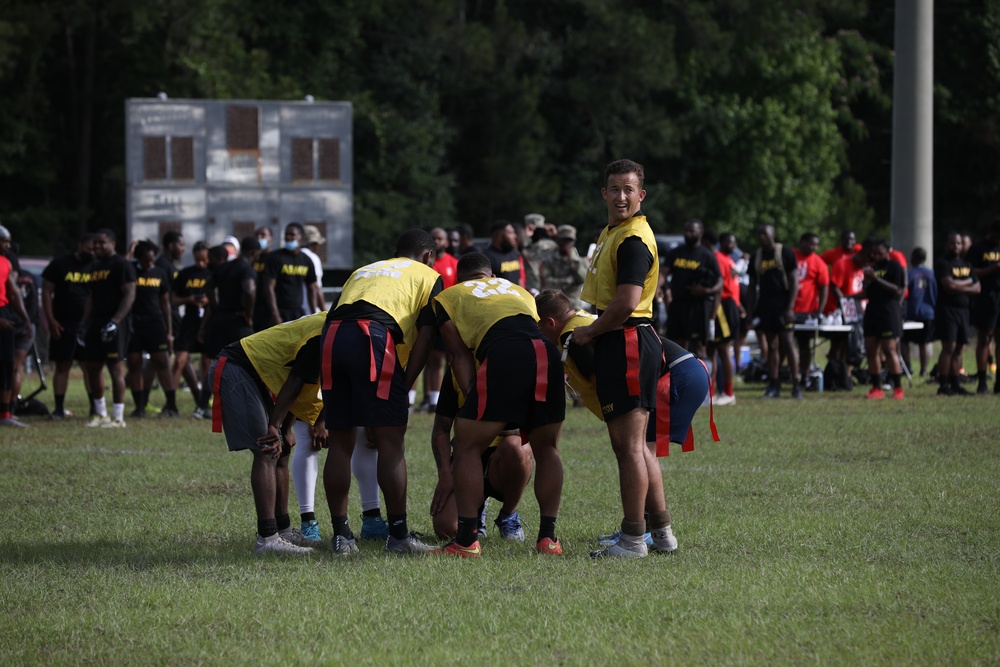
x: 476, y: 111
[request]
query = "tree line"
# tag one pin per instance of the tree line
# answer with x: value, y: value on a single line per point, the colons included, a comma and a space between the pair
x: 478, y: 110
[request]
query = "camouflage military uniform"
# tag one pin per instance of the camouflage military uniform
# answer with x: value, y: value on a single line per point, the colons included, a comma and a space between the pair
x: 566, y: 274
x: 535, y: 254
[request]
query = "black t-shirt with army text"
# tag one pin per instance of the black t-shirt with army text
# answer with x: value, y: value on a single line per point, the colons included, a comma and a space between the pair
x: 771, y: 284
x: 690, y: 266
x: 107, y: 276
x: 957, y: 268
x: 150, y: 285
x: 69, y: 277
x: 982, y: 255
x: 880, y: 296
x: 291, y: 272
x: 191, y: 281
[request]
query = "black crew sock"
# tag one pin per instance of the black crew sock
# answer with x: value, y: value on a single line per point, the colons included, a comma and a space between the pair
x: 139, y: 398
x: 307, y: 516
x: 267, y: 527
x: 340, y: 527
x: 954, y: 382
x: 171, y: 400
x: 283, y: 521
x: 468, y: 530
x: 397, y: 525
x: 546, y: 528
x: 897, y: 381
x: 375, y: 512
x: 60, y: 403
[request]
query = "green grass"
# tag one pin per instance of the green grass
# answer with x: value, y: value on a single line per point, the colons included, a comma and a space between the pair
x: 833, y: 530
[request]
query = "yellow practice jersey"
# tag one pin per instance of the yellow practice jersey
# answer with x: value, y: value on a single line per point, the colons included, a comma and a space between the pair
x: 476, y: 305
x: 399, y: 286
x: 272, y: 353
x: 601, y: 283
x: 581, y: 386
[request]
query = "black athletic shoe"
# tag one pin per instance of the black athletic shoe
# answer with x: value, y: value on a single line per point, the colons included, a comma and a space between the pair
x: 138, y: 413
x: 945, y: 390
x: 982, y: 388
x: 960, y: 391
x: 772, y: 392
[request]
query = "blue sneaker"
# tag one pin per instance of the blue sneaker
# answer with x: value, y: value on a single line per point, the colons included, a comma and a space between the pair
x: 310, y: 530
x: 510, y: 527
x: 608, y: 540
x: 374, y: 528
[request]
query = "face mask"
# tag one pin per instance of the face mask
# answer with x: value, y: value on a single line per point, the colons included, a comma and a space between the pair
x: 263, y: 243
x: 291, y: 245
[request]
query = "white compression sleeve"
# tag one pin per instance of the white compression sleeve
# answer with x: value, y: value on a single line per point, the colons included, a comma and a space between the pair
x: 364, y: 466
x: 305, y: 467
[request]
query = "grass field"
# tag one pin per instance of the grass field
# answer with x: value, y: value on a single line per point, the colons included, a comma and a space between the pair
x: 831, y: 530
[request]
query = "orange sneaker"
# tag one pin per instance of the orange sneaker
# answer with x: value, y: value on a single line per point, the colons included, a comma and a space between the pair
x: 876, y: 394
x: 453, y: 548
x: 547, y: 545
x: 897, y: 393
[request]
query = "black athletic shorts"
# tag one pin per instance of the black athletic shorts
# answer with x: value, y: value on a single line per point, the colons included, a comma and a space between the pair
x: 920, y: 336
x: 96, y: 350
x: 727, y: 321
x: 520, y: 383
x: 350, y: 396
x: 687, y: 319
x: 882, y: 323
x: 985, y: 311
x: 148, y: 336
x: 951, y: 325
x: 627, y: 366
x: 186, y: 339
x: 771, y: 317
x: 65, y: 348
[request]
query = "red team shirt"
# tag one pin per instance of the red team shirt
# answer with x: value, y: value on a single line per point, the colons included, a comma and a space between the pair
x: 730, y: 283
x: 848, y: 277
x: 812, y: 273
x: 447, y: 266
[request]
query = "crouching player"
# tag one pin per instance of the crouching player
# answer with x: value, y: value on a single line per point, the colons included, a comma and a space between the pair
x: 282, y: 361
x: 507, y: 467
x: 681, y: 390
x: 512, y: 377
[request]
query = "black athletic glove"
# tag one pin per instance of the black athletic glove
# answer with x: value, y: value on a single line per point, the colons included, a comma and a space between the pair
x: 109, y: 332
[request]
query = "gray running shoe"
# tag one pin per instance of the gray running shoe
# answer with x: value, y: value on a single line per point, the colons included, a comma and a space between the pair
x: 295, y: 536
x: 662, y: 541
x: 13, y: 421
x: 275, y: 545
x: 343, y: 546
x: 618, y: 550
x: 410, y: 544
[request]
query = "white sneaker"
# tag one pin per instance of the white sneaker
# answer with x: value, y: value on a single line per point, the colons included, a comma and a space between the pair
x: 98, y: 420
x: 113, y: 423
x: 663, y: 541
x: 725, y: 400
x: 275, y: 545
x: 619, y: 550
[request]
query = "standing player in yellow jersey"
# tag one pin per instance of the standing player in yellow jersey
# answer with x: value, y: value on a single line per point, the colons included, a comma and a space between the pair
x: 282, y: 361
x: 680, y: 391
x: 621, y: 284
x: 383, y: 324
x: 512, y: 378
